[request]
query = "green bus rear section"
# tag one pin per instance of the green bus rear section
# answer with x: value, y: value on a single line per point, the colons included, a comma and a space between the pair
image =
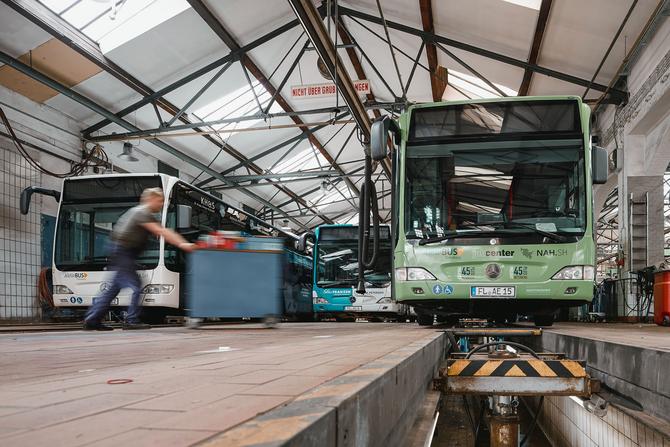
x: 527, y: 267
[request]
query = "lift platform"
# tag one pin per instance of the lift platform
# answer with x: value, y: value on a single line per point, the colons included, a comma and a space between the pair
x: 501, y: 371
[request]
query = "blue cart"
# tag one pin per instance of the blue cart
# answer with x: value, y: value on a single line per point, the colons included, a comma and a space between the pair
x: 244, y: 283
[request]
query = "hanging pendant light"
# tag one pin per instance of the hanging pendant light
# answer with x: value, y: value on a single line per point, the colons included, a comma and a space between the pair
x: 127, y: 153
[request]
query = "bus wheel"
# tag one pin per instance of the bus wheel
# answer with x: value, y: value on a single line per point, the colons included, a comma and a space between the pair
x: 543, y: 320
x: 346, y: 319
x: 155, y: 316
x: 270, y: 321
x: 424, y: 320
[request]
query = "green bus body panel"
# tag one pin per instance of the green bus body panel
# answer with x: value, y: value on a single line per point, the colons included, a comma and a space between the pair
x: 541, y: 261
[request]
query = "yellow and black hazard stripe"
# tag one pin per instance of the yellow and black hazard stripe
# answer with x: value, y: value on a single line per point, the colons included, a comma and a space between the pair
x: 516, y: 368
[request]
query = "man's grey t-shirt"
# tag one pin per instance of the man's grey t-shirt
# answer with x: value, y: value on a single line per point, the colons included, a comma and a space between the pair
x: 129, y: 231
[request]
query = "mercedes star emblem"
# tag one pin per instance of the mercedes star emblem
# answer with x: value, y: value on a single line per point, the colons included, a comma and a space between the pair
x: 493, y: 271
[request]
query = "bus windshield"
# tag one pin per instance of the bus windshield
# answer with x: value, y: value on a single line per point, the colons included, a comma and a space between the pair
x: 518, y: 186
x: 337, y: 258
x: 89, y: 210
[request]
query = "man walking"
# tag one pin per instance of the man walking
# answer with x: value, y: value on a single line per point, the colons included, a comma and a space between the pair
x: 129, y: 240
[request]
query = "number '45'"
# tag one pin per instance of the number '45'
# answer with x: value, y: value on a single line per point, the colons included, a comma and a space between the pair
x: 467, y: 271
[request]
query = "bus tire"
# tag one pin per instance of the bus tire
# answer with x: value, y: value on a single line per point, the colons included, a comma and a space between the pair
x: 346, y: 319
x: 424, y: 320
x: 544, y: 320
x: 156, y: 315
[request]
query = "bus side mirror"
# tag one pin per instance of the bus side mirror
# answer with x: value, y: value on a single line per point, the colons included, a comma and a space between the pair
x: 599, y: 165
x: 302, y: 241
x: 379, y: 136
x: 27, y: 194
x: 184, y: 217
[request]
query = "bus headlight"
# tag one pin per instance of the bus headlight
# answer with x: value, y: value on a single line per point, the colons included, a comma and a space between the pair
x: 413, y: 274
x: 320, y: 301
x: 155, y: 289
x: 61, y: 289
x: 385, y: 300
x: 586, y: 272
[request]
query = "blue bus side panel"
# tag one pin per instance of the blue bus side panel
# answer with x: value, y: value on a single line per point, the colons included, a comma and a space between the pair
x: 297, y: 284
x: 234, y: 284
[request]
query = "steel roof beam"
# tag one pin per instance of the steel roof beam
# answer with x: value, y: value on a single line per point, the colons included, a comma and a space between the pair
x: 94, y: 107
x: 540, y: 27
x: 350, y: 46
x: 230, y: 57
x: 312, y: 23
x: 55, y: 25
x: 437, y: 85
x: 432, y: 37
x: 249, y: 65
x: 166, y: 130
x: 295, y: 139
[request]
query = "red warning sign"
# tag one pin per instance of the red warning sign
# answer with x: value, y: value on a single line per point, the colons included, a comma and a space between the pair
x: 326, y: 89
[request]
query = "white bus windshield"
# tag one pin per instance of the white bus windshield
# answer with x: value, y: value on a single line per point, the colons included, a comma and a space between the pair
x: 337, y: 258
x: 89, y: 210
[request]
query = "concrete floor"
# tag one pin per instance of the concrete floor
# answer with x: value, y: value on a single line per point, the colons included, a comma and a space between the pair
x: 649, y: 336
x: 187, y: 385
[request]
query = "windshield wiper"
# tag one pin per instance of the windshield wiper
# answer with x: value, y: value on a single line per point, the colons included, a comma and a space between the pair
x: 449, y: 235
x: 453, y: 235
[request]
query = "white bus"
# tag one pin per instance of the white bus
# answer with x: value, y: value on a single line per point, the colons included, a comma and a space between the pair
x: 89, y: 206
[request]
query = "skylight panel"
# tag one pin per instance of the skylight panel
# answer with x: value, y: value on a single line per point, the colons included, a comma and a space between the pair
x: 303, y: 161
x: 85, y: 11
x: 476, y: 86
x: 240, y: 102
x: 349, y: 219
x: 58, y: 6
x: 112, y: 23
x: 531, y: 4
x: 132, y: 19
x: 331, y: 197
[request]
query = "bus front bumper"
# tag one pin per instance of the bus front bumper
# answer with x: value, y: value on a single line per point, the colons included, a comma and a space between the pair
x: 122, y: 300
x: 354, y: 308
x: 527, y: 296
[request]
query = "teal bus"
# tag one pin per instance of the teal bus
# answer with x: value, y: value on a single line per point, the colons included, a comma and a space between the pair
x: 336, y: 262
x: 492, y: 206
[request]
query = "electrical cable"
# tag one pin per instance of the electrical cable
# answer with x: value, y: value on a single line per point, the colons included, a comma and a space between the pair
x: 95, y: 157
x: 43, y: 290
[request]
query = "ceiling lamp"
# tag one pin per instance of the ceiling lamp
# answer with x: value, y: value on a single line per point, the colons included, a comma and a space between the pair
x: 323, y: 70
x: 127, y: 153
x: 326, y: 187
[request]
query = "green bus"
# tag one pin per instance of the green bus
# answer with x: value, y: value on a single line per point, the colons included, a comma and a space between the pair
x: 492, y: 206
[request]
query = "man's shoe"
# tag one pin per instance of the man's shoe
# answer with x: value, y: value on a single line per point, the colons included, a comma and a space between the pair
x: 96, y: 327
x: 135, y: 326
